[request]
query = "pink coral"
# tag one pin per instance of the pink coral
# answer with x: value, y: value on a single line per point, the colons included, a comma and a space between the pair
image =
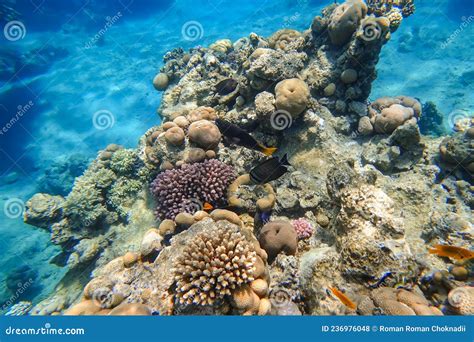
x: 303, y: 228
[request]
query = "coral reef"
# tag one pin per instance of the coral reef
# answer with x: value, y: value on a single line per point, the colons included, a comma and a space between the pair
x: 176, y: 226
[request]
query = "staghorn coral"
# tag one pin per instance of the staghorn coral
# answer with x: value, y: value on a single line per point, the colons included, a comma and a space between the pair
x: 122, y: 194
x: 85, y: 206
x: 303, y: 228
x: 185, y: 189
x: 124, y: 162
x: 213, y: 265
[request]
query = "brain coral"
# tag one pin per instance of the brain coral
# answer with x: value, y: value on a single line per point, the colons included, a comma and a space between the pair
x: 185, y: 189
x: 214, y: 263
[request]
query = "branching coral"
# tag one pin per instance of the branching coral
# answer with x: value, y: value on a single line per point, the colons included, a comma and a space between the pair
x: 382, y: 7
x: 185, y: 189
x: 303, y: 228
x: 212, y: 265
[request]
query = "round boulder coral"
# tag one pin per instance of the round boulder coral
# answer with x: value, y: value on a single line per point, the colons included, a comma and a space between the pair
x: 160, y: 82
x: 215, y: 263
x: 292, y: 95
x: 186, y: 189
x: 204, y: 134
x: 278, y: 236
x: 175, y: 136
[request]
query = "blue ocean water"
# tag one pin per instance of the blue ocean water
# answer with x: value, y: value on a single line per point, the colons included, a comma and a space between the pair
x: 69, y: 60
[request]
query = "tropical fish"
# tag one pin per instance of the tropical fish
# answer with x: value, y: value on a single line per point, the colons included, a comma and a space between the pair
x: 240, y: 137
x: 226, y: 86
x: 207, y: 206
x: 269, y: 170
x: 381, y: 280
x: 453, y: 252
x: 343, y: 298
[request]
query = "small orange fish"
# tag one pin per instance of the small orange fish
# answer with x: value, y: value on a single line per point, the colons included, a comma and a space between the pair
x: 454, y: 252
x: 343, y: 298
x: 207, y: 206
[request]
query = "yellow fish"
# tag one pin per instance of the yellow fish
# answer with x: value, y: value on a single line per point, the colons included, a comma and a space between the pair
x: 453, y: 252
x: 343, y: 298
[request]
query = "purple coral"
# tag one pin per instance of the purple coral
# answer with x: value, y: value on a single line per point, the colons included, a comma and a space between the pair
x: 187, y: 188
x: 303, y: 228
